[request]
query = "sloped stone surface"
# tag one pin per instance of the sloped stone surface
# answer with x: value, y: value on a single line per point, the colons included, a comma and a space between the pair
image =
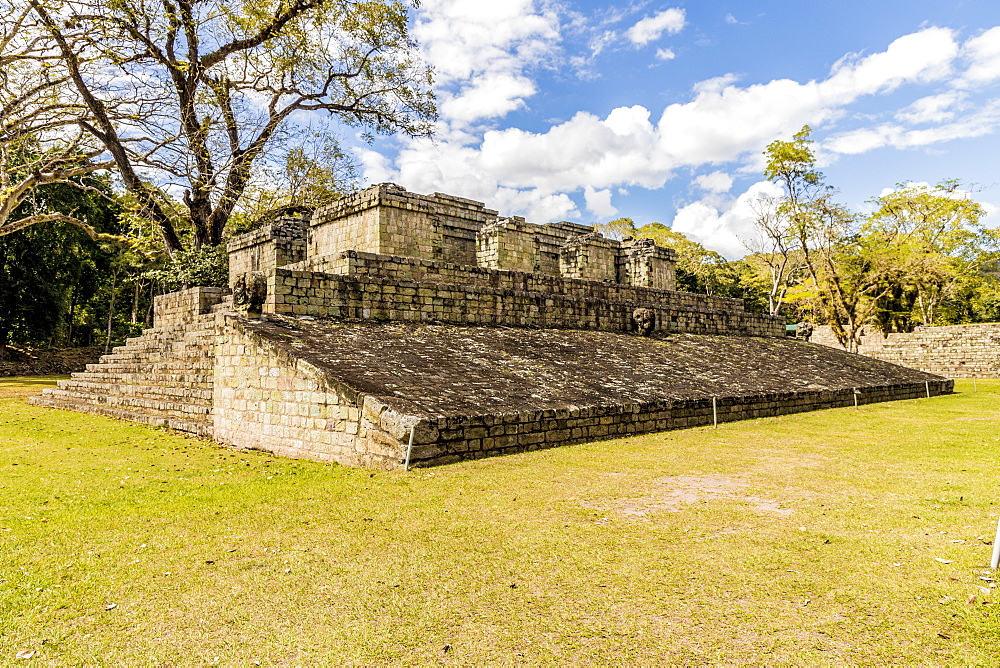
x: 438, y: 371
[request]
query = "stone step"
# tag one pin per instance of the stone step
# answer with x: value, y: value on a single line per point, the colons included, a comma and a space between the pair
x: 160, y: 367
x: 193, y: 395
x: 163, y: 377
x: 157, y: 342
x: 202, y: 427
x: 153, y: 406
x: 199, y: 380
x: 192, y: 356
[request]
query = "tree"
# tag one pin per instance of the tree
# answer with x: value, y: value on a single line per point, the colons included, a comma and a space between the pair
x: 187, y: 95
x: 774, y: 251
x: 313, y: 172
x: 41, y: 140
x: 50, y: 274
x: 845, y: 274
x: 938, y: 241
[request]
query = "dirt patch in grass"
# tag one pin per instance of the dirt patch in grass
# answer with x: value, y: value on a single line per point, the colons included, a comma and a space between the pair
x: 672, y: 493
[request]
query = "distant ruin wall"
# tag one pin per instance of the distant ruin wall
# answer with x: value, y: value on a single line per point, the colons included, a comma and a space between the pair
x: 585, y: 305
x: 184, y: 307
x: 953, y: 351
x: 387, y: 219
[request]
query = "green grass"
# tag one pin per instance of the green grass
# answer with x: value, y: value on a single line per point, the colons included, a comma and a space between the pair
x: 805, y: 539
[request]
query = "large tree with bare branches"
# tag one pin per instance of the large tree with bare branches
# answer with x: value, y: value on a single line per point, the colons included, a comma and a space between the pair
x: 41, y: 140
x: 186, y: 95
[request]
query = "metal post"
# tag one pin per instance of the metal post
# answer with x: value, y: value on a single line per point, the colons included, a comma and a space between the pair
x: 927, y: 386
x: 409, y: 449
x: 715, y: 414
x: 856, y: 393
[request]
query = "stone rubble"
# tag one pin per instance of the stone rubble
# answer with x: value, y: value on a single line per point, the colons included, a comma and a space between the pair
x: 392, y: 319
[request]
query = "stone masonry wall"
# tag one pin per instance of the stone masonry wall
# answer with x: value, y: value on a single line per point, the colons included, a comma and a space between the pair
x: 587, y: 304
x: 266, y: 399
x: 954, y: 351
x: 389, y: 220
x: 508, y: 244
x: 184, y: 307
x: 472, y: 392
x: 589, y: 257
x: 643, y: 263
x: 273, y: 245
x: 411, y: 269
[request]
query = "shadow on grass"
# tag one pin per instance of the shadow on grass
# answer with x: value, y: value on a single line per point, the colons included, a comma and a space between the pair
x: 26, y: 386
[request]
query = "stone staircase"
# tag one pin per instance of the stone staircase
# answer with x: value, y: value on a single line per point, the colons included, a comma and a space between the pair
x: 956, y: 351
x: 163, y: 377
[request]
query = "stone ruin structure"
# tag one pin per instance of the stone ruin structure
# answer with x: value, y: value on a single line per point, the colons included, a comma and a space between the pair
x: 955, y: 351
x: 398, y: 329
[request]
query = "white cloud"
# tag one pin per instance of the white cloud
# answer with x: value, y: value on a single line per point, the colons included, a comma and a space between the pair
x: 533, y: 173
x: 983, y: 54
x: 599, y: 202
x: 984, y: 121
x: 931, y: 109
x: 649, y: 29
x: 992, y: 217
x: 716, y: 182
x: 665, y: 54
x: 724, y: 229
x: 918, y: 57
x: 482, y: 53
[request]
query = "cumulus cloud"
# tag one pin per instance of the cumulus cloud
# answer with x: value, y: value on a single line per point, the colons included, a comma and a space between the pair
x: 599, y: 202
x: 984, y: 121
x: 482, y: 53
x: 725, y: 228
x: 931, y: 109
x: 983, y: 54
x: 665, y: 54
x: 651, y: 28
x: 716, y: 182
x: 535, y: 173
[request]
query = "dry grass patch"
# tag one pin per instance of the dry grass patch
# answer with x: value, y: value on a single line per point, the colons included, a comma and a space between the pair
x: 842, y: 536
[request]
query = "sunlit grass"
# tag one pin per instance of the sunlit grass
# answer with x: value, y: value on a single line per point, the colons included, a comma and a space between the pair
x: 842, y: 536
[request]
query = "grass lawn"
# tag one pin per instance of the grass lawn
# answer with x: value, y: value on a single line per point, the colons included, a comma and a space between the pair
x: 846, y: 536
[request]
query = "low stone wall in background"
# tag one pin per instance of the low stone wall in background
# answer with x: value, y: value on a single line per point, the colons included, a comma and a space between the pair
x: 396, y: 268
x: 953, y: 351
x: 481, y: 436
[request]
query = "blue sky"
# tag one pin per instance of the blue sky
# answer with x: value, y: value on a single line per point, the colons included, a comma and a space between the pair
x: 589, y: 111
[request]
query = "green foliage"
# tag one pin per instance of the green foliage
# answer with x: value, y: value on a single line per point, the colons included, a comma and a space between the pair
x: 52, y: 275
x: 915, y: 260
x: 223, y: 84
x: 207, y: 266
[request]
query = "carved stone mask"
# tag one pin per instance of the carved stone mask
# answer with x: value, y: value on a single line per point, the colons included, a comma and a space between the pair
x: 250, y: 291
